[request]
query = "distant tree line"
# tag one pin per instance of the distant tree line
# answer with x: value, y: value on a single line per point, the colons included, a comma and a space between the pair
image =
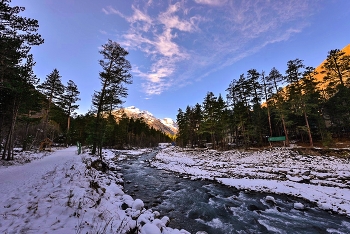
x: 259, y: 105
x: 31, y: 112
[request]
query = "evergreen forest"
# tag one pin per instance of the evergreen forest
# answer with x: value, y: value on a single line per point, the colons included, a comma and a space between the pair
x: 36, y: 115
x: 302, y: 104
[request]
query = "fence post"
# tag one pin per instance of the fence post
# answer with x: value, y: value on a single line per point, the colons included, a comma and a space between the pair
x: 79, y: 147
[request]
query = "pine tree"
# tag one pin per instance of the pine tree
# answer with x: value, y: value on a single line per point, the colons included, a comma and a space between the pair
x: 336, y: 70
x: 183, y: 125
x: 267, y: 95
x: 114, y: 75
x: 221, y: 115
x: 311, y: 101
x: 67, y: 102
x: 296, y: 94
x: 53, y: 90
x: 256, y: 96
x: 209, y: 116
x: 197, y: 121
x: 17, y: 36
x: 277, y: 79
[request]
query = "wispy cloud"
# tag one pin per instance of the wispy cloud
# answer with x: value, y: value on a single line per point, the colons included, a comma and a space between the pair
x: 183, y: 38
x: 110, y: 10
x: 155, y: 36
x: 211, y: 2
x: 172, y: 21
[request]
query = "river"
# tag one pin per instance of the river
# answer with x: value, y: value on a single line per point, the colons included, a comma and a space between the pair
x: 197, y: 205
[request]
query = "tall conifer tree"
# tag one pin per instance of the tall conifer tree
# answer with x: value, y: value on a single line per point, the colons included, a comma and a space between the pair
x: 17, y: 36
x: 114, y: 75
x: 68, y: 100
x: 53, y: 90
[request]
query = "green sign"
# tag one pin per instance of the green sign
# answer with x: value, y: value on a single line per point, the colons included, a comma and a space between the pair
x: 79, y: 147
x: 279, y: 138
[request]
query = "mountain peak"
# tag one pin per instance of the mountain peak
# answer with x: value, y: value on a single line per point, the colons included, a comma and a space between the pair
x: 166, y: 125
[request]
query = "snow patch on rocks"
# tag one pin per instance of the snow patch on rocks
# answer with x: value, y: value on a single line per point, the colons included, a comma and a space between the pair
x: 62, y: 192
x: 323, y: 180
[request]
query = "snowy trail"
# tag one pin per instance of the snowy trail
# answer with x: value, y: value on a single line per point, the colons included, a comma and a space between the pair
x: 34, y: 195
x: 62, y: 193
x: 25, y: 176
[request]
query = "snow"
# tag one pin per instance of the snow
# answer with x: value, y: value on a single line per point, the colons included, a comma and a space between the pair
x: 138, y: 204
x: 299, y: 206
x: 149, y: 117
x: 137, y: 111
x: 270, y: 199
x: 323, y: 180
x: 170, y: 123
x: 150, y: 228
x: 61, y: 192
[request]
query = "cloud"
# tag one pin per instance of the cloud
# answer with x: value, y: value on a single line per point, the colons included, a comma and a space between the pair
x: 156, y: 38
x: 110, y: 10
x: 182, y: 38
x: 248, y: 26
x: 139, y: 16
x: 103, y: 32
x: 172, y: 21
x: 211, y: 2
x: 166, y: 46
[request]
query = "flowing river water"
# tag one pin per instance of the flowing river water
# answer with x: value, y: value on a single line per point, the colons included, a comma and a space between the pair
x: 197, y: 205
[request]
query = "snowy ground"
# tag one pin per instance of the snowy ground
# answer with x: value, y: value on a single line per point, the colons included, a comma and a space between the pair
x: 62, y: 192
x: 323, y: 180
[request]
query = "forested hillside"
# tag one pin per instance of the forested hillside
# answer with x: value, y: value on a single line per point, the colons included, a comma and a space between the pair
x: 36, y: 115
x: 303, y: 104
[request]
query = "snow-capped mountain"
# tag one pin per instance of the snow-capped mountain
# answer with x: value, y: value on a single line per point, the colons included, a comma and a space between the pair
x: 166, y: 125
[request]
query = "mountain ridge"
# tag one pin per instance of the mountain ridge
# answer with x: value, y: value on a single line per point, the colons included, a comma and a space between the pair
x: 319, y: 76
x: 166, y: 125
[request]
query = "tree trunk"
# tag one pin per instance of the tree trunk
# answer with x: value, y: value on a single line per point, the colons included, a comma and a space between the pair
x: 25, y: 142
x: 269, y: 118
x: 46, y: 121
x: 8, y: 149
x: 308, y: 129
x: 285, y: 131
x: 339, y: 73
x: 68, y: 132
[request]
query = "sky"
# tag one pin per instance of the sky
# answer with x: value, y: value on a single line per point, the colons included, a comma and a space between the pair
x: 180, y: 50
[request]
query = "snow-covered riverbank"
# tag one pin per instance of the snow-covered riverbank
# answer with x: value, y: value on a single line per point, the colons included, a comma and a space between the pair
x: 62, y: 192
x: 323, y: 180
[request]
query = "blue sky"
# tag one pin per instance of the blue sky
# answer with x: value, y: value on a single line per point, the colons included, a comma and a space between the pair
x: 180, y: 50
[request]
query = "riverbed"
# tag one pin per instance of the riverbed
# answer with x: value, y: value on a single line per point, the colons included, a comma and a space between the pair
x: 199, y: 205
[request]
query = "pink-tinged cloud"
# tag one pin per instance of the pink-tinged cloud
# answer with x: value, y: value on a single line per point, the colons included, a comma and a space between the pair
x: 211, y: 2
x: 171, y: 35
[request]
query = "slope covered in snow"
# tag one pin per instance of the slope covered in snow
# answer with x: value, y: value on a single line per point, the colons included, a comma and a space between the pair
x: 65, y: 193
x: 166, y: 125
x: 323, y: 180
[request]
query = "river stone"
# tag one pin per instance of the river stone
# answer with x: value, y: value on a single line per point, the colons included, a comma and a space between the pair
x: 270, y: 199
x: 138, y: 204
x: 299, y: 206
x: 324, y: 206
x: 165, y: 220
x: 150, y: 228
x: 306, y: 173
x: 253, y: 207
x: 156, y: 214
x: 124, y: 206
